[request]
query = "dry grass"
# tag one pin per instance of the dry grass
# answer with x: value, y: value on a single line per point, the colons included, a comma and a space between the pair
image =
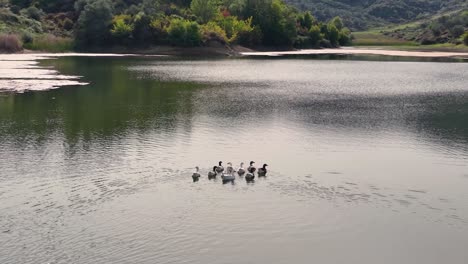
x: 10, y: 43
x: 371, y: 38
x: 50, y: 43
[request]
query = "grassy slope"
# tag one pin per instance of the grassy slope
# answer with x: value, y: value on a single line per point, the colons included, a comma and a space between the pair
x: 378, y: 36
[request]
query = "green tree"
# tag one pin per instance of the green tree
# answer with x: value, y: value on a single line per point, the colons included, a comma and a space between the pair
x: 465, y: 38
x: 315, y: 35
x: 184, y: 33
x: 337, y: 22
x: 306, y: 20
x: 457, y: 31
x: 93, y: 27
x: 205, y: 10
x: 344, y: 37
x: 276, y: 20
x: 122, y: 27
x: 333, y: 34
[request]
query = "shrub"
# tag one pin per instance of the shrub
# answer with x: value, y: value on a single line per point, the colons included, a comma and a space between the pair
x: 159, y: 28
x: 10, y: 43
x: 67, y: 24
x: 27, y: 38
x: 457, y: 31
x: 50, y: 43
x: 122, y: 27
x: 333, y: 34
x: 205, y: 10
x: 184, y: 33
x: 344, y: 37
x: 233, y: 27
x: 34, y: 13
x: 212, y: 32
x: 250, y: 38
x: 315, y: 35
x: 465, y: 38
x: 93, y: 26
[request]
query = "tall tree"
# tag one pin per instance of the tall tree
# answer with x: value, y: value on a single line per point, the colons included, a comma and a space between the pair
x: 205, y: 10
x: 94, y: 23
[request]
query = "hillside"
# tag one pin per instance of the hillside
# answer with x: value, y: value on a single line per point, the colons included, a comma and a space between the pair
x: 96, y: 25
x: 365, y: 14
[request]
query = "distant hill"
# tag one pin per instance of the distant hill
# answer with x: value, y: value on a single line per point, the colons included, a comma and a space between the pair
x: 364, y: 14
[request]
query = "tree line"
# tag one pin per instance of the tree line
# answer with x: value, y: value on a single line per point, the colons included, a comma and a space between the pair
x: 140, y: 23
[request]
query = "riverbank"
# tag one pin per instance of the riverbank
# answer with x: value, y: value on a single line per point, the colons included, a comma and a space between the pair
x: 237, y: 51
x: 364, y: 51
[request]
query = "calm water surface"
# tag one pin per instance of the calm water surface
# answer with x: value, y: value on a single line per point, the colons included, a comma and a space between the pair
x: 368, y: 162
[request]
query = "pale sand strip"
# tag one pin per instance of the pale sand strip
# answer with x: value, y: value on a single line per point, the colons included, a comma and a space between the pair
x: 358, y: 51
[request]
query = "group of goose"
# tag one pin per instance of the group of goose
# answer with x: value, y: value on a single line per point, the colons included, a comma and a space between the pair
x: 229, y: 173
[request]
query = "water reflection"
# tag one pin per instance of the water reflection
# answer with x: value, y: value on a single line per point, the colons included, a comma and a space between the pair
x: 386, y: 138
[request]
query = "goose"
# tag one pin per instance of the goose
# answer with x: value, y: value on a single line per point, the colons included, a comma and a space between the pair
x: 220, y: 168
x: 262, y: 171
x: 251, y: 168
x: 196, y: 174
x: 212, y: 174
x: 229, y: 169
x: 241, y: 170
x: 250, y: 176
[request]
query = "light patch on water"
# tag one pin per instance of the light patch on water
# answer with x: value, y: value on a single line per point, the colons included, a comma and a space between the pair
x: 21, y: 73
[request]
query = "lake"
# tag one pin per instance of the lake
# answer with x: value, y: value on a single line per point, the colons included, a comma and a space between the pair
x: 368, y: 160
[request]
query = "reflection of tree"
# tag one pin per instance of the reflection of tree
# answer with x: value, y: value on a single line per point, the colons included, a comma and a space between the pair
x: 114, y: 101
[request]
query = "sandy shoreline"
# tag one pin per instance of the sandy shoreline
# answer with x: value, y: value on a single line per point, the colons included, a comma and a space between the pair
x: 359, y: 51
x: 240, y: 51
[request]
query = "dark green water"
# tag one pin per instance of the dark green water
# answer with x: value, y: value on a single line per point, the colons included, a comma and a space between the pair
x: 368, y: 162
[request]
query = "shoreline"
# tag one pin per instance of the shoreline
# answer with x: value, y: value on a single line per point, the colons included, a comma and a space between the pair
x: 239, y: 51
x: 364, y: 51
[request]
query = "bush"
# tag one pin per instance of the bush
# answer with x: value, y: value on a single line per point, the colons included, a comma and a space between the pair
x: 27, y: 38
x: 10, y: 43
x: 122, y: 27
x: 50, y: 43
x: 250, y: 38
x: 233, y: 27
x: 205, y: 10
x: 315, y: 36
x: 457, y: 31
x: 93, y: 27
x: 344, y: 37
x: 34, y: 13
x: 212, y: 32
x: 465, y: 38
x: 67, y: 24
x: 184, y: 33
x: 333, y: 34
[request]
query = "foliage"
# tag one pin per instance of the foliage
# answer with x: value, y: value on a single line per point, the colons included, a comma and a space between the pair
x: 365, y: 14
x: 205, y: 10
x: 34, y: 13
x: 10, y: 43
x: 122, y: 27
x: 213, y: 32
x: 50, y: 43
x: 276, y: 20
x: 306, y: 20
x: 457, y: 30
x: 94, y: 23
x: 442, y: 29
x: 465, y: 38
x: 315, y: 35
x: 184, y: 33
x: 233, y: 27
